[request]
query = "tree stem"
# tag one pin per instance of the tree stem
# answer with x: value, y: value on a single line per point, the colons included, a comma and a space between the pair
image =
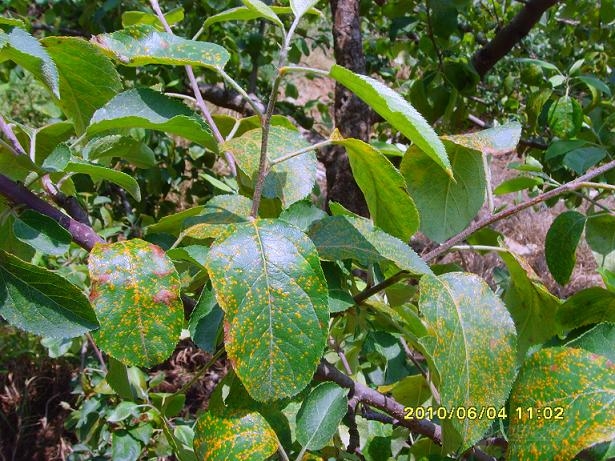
x: 263, y: 166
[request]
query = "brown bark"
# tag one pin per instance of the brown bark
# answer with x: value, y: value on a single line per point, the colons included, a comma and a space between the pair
x: 485, y: 58
x: 350, y: 113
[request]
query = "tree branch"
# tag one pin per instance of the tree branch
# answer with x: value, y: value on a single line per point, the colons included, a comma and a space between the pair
x: 18, y: 194
x: 485, y: 58
x: 373, y: 398
x: 229, y: 99
x: 571, y: 186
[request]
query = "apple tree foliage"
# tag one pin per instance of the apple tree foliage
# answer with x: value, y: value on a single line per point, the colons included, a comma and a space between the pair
x: 343, y: 341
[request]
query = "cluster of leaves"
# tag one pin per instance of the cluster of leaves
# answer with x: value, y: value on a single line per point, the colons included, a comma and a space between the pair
x: 279, y: 283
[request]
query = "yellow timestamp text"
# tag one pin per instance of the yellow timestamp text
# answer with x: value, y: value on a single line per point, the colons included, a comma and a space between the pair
x: 459, y: 413
x: 547, y: 413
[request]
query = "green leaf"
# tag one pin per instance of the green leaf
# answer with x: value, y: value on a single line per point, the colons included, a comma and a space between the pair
x: 561, y: 244
x: 599, y: 340
x: 592, y: 305
x: 345, y: 237
x: 136, y: 295
x: 267, y: 278
x: 243, y: 13
x: 263, y: 10
x: 172, y: 224
x: 291, y: 180
x: 117, y: 378
x: 81, y: 97
x: 565, y: 117
x: 470, y: 334
x: 300, y: 7
x: 145, y: 108
x: 42, y: 233
x: 124, y: 446
x: 302, y: 215
x: 572, y: 383
x: 320, y: 415
x: 495, y: 141
x: 384, y: 189
x: 22, y: 48
x: 600, y: 236
x: 205, y: 321
x: 593, y: 82
x: 395, y: 110
x: 122, y: 411
x: 216, y: 215
x: 538, y: 62
x: 143, y: 44
x: 234, y: 435
x: 446, y: 205
x: 58, y: 159
x: 530, y: 304
x: 42, y: 302
x: 516, y: 184
x: 130, y: 18
x: 99, y: 173
x: 48, y: 137
x: 581, y: 160
x: 124, y: 147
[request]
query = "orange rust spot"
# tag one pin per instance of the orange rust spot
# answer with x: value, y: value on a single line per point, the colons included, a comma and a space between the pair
x: 94, y: 294
x: 156, y: 250
x: 554, y: 368
x: 164, y: 296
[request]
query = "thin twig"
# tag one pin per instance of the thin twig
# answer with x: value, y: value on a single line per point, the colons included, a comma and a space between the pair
x: 10, y: 136
x: 263, y: 167
x: 201, y: 372
x: 197, y: 92
x: 97, y: 352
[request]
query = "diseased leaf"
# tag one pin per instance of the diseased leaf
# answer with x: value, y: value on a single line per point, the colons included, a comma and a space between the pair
x: 145, y: 108
x: 143, y: 44
x: 42, y: 233
x: 291, y: 180
x: 136, y: 295
x: 22, y: 48
x: 531, y: 305
x: 446, y: 205
x: 469, y: 334
x: 384, y: 189
x: 88, y: 79
x: 98, y: 173
x: 494, y: 141
x: 592, y: 305
x: 42, y: 302
x: 345, y: 237
x: 234, y: 435
x: 395, y: 110
x: 267, y: 278
x: 216, y: 215
x: 561, y: 244
x: 320, y: 415
x: 575, y: 392
x: 599, y: 340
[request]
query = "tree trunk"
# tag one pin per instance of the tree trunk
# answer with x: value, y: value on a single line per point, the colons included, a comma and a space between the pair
x: 351, y: 115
